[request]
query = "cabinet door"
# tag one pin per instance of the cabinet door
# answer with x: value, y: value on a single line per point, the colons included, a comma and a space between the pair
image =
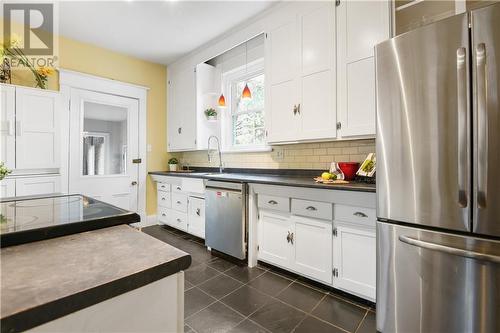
x: 37, y: 129
x: 360, y: 26
x: 318, y: 109
x: 274, y: 247
x: 38, y: 185
x: 312, y: 241
x: 354, y: 253
x: 7, y: 129
x: 182, y: 111
x: 196, y: 217
x: 7, y: 188
x: 282, y: 98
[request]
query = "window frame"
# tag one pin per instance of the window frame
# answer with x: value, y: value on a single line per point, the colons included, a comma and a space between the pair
x: 230, y: 80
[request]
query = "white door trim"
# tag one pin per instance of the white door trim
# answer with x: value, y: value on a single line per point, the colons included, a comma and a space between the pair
x: 69, y: 80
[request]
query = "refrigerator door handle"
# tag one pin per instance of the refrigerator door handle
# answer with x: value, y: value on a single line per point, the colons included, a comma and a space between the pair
x: 450, y: 250
x: 462, y: 126
x: 482, y: 119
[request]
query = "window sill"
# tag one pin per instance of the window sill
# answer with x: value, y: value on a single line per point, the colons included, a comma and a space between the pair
x: 247, y: 150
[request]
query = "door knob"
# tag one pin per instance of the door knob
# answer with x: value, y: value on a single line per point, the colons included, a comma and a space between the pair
x: 134, y: 183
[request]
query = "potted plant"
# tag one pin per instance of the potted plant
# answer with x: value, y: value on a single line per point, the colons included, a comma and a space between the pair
x: 211, y: 114
x: 172, y: 164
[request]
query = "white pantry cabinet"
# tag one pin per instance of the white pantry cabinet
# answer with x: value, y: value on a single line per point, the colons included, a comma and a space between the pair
x: 38, y: 185
x: 37, y: 129
x: 360, y: 26
x: 181, y: 116
x: 8, y: 121
x: 300, y: 69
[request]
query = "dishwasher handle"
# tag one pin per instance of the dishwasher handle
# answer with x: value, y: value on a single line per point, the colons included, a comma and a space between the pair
x: 222, y: 189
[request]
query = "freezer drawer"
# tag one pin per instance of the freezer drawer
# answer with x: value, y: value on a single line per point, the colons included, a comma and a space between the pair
x: 436, y: 282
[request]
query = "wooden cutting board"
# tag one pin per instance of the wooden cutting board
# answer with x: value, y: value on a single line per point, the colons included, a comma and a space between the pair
x: 330, y: 181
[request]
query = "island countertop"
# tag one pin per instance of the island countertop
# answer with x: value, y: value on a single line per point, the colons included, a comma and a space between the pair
x: 45, y: 280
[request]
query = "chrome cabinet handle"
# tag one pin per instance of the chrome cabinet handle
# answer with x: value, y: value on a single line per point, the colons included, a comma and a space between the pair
x: 482, y: 125
x: 294, y: 109
x: 272, y: 202
x: 291, y: 238
x: 179, y: 220
x: 462, y: 92
x: 298, y: 108
x: 163, y: 199
x: 178, y: 202
x: 311, y: 208
x: 178, y: 188
x: 449, y: 250
x: 360, y: 214
x: 134, y: 183
x: 198, y: 211
x: 288, y: 237
x: 163, y: 214
x: 179, y: 130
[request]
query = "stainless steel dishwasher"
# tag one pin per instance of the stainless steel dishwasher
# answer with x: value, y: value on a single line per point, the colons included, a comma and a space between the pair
x: 226, y: 217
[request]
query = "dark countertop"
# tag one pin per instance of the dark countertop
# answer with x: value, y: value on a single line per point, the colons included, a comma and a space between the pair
x: 45, y: 280
x: 287, y: 178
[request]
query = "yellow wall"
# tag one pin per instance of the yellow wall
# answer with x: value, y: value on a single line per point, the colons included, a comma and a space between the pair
x: 90, y: 59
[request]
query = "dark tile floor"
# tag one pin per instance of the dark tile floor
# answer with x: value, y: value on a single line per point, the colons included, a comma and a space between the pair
x: 223, y: 297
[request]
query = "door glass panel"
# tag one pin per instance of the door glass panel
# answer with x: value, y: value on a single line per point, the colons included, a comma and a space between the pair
x: 104, y: 139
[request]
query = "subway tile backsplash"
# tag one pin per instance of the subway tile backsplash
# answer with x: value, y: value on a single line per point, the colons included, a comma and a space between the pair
x: 296, y: 156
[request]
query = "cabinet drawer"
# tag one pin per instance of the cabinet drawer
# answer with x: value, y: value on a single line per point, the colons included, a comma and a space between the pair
x: 164, y: 199
x: 164, y: 215
x: 179, y: 202
x: 360, y: 215
x: 319, y: 210
x: 177, y: 188
x: 179, y: 220
x: 275, y: 203
x: 163, y: 187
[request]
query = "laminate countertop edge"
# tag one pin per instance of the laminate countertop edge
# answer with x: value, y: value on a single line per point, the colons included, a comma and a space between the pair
x: 30, y: 317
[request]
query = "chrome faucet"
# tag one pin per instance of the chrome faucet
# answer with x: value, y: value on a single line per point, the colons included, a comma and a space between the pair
x: 218, y: 149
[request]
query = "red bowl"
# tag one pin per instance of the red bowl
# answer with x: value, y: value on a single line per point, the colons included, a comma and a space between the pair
x: 349, y: 169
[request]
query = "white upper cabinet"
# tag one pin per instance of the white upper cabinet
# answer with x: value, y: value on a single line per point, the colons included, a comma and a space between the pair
x: 8, y: 111
x: 37, y: 129
x: 181, y: 116
x: 360, y: 26
x: 300, y: 68
x: 207, y: 94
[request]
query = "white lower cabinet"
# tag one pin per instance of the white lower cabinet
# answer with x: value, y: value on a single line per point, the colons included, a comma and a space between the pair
x: 38, y: 185
x: 354, y: 261
x: 327, y: 241
x: 275, y: 230
x: 196, y: 217
x: 8, y: 188
x: 312, y: 242
x: 178, y: 208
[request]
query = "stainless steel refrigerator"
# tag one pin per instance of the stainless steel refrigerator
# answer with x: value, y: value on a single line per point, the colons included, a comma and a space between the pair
x: 438, y: 176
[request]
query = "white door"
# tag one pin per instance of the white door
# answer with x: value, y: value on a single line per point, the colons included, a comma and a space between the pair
x: 104, y: 141
x: 7, y: 129
x: 317, y: 107
x: 312, y: 240
x: 282, y: 98
x: 37, y: 129
x: 7, y: 188
x: 196, y: 217
x: 275, y: 231
x: 355, y: 259
x: 360, y: 26
x: 38, y: 185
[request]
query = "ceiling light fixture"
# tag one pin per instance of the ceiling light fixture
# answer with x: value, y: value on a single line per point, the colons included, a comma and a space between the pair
x: 246, y: 94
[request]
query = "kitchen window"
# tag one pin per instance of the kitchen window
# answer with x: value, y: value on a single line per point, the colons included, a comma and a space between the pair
x: 244, y: 123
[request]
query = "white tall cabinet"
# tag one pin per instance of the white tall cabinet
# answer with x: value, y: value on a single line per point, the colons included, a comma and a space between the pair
x: 300, y: 71
x: 360, y: 26
x: 30, y: 140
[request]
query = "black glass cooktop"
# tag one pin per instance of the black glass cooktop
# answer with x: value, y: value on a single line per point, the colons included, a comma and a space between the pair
x: 31, y: 219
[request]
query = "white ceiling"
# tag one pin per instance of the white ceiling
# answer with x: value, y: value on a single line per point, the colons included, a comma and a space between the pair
x: 157, y: 31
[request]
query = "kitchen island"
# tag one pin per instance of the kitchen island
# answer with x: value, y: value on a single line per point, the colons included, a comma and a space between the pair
x: 110, y: 278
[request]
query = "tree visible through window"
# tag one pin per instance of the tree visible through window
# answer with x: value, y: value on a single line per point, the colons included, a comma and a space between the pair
x: 248, y: 115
